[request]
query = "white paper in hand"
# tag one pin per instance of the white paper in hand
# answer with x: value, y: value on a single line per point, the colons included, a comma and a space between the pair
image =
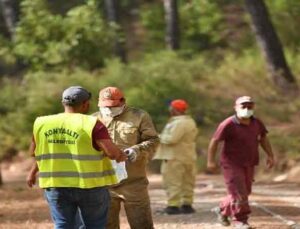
x: 120, y: 169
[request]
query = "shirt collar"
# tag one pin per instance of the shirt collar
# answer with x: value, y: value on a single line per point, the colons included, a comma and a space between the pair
x: 235, y: 119
x: 179, y: 117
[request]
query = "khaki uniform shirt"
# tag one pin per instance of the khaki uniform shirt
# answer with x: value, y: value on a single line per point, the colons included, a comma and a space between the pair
x: 133, y: 128
x: 177, y: 140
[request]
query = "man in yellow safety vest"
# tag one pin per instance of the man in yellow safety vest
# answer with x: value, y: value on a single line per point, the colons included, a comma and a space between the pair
x: 72, y: 153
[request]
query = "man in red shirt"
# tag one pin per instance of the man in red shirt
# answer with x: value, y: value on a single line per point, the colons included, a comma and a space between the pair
x: 241, y: 135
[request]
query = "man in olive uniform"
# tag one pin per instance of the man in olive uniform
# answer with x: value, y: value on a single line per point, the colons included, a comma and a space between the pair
x: 131, y: 130
x: 177, y: 149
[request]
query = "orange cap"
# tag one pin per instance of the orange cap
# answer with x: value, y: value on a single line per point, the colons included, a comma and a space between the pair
x: 179, y: 105
x: 110, y: 97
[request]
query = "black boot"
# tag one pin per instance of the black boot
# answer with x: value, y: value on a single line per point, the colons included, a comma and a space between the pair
x: 187, y: 209
x: 170, y: 210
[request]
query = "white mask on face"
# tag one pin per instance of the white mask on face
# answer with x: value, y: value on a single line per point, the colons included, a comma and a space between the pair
x: 244, y: 113
x: 111, y: 111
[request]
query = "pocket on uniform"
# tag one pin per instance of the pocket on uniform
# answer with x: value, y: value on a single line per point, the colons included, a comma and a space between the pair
x: 128, y: 135
x: 163, y: 167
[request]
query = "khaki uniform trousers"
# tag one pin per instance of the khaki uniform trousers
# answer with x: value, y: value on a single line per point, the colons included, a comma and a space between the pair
x: 179, y: 181
x: 134, y: 195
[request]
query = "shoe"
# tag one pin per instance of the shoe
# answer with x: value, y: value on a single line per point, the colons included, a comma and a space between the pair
x: 170, y: 210
x: 187, y: 209
x: 222, y: 219
x: 241, y: 225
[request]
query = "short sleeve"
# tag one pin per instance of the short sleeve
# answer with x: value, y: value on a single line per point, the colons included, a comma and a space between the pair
x: 221, y: 132
x: 99, y: 132
x: 262, y: 128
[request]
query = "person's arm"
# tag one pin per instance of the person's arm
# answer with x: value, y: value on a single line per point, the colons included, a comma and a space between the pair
x: 265, y: 144
x: 211, y: 154
x: 172, y: 133
x: 31, y: 178
x: 148, y: 137
x: 111, y: 150
x: 102, y: 140
x: 220, y: 135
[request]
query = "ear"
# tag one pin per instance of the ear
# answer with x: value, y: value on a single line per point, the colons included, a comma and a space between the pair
x: 86, y: 104
x: 235, y: 107
x: 122, y: 101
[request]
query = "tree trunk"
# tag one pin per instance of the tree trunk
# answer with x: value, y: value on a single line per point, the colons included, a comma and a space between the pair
x: 111, y: 9
x: 10, y: 15
x: 172, y: 24
x: 270, y: 45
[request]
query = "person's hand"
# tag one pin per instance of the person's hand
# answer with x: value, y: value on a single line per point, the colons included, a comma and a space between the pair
x: 270, y: 162
x: 31, y: 180
x: 131, y: 154
x: 122, y: 157
x: 211, y: 166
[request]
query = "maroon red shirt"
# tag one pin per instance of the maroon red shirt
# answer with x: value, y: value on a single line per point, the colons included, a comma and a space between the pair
x: 99, y: 132
x: 241, y: 142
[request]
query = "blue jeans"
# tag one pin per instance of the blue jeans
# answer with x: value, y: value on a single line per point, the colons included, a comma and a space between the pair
x: 79, y: 221
x: 64, y: 203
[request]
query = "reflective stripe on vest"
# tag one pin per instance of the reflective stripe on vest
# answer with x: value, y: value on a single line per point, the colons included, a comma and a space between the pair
x: 65, y: 154
x: 69, y: 156
x: 74, y: 174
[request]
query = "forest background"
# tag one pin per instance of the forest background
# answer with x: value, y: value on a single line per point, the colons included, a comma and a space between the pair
x: 203, y: 51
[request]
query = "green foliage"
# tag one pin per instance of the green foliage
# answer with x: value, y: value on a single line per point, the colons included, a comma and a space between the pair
x: 11, y: 97
x: 154, y: 81
x: 44, y: 39
x: 57, y: 6
x: 150, y: 84
x: 38, y: 94
x: 88, y: 36
x: 201, y: 23
x: 286, y: 145
x: 285, y: 13
x: 6, y: 55
x: 163, y: 77
x: 152, y: 18
x: 60, y: 50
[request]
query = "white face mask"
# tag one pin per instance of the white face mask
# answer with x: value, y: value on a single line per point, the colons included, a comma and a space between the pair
x: 244, y: 113
x: 111, y: 111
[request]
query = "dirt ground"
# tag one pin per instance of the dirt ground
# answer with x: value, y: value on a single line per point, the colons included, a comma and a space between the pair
x: 274, y: 205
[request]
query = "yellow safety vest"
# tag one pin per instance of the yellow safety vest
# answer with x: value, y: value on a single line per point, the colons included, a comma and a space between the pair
x: 65, y: 154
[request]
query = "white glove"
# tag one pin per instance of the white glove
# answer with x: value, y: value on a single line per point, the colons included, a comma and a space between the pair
x: 131, y: 154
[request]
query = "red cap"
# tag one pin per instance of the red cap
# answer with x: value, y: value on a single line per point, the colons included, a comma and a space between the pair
x: 110, y: 97
x: 179, y: 105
